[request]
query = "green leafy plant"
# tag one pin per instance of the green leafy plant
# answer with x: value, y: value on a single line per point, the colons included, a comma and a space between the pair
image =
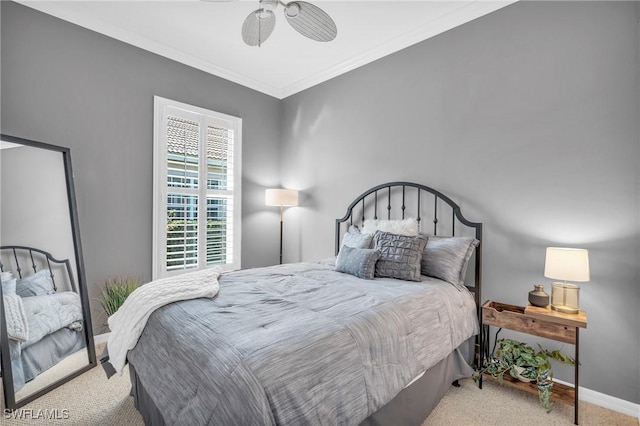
x: 115, y: 292
x: 524, y: 363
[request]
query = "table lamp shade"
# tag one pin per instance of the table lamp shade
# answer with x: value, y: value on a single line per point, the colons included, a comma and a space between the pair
x: 567, y: 264
x: 281, y: 197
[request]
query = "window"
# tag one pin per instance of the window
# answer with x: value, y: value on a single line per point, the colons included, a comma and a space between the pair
x: 196, y: 196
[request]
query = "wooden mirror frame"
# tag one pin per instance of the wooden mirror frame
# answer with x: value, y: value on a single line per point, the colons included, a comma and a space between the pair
x: 5, y: 358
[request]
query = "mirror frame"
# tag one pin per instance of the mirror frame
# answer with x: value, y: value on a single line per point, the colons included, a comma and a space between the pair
x: 5, y: 358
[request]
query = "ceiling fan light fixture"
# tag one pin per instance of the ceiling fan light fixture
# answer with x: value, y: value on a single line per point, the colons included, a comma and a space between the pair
x: 306, y: 18
x: 292, y: 10
x: 263, y: 13
x: 269, y: 5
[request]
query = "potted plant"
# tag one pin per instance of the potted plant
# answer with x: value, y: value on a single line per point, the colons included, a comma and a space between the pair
x: 524, y: 363
x: 115, y: 292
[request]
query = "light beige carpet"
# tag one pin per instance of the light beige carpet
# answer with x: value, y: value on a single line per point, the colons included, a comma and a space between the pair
x: 91, y: 399
x: 496, y: 405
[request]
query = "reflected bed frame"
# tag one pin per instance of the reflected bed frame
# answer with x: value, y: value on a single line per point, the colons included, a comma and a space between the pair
x: 43, y: 258
x: 19, y: 253
x: 36, y: 257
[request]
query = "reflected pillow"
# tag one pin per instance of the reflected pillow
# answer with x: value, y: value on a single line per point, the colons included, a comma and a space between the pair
x: 9, y: 287
x: 399, y: 255
x: 35, y: 285
x: 447, y: 258
x: 407, y: 227
x: 358, y: 262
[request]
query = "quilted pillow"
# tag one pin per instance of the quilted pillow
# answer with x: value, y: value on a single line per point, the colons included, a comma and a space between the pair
x: 354, y: 238
x: 35, y: 284
x: 400, y: 227
x: 358, y: 262
x: 399, y: 255
x: 447, y: 258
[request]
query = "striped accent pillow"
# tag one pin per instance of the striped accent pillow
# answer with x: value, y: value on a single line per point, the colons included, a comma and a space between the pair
x: 447, y: 258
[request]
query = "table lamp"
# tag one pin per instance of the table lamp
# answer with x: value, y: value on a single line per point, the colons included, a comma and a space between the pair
x: 566, y: 264
x: 281, y: 198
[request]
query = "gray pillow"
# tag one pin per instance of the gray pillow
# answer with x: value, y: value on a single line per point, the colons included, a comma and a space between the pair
x: 447, y: 258
x: 399, y: 255
x: 358, y: 262
x: 35, y: 284
x: 355, y: 239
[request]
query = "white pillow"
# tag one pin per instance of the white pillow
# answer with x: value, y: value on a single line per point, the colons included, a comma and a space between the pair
x: 408, y: 227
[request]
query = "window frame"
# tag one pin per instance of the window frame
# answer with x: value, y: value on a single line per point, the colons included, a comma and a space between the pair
x: 204, y: 117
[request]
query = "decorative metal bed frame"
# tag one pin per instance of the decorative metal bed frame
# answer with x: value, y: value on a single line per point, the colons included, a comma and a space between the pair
x: 392, y: 188
x: 369, y: 202
x: 26, y: 253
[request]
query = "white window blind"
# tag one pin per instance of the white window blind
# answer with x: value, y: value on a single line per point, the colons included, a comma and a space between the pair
x: 196, y: 189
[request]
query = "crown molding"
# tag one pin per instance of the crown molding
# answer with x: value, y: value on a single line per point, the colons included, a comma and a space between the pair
x: 465, y: 13
x: 461, y: 15
x: 152, y: 46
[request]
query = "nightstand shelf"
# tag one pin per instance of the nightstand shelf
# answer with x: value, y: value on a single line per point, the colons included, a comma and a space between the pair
x: 561, y: 393
x: 541, y: 322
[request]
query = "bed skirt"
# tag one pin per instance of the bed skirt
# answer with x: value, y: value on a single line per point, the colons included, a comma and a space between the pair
x: 410, y: 407
x: 415, y: 402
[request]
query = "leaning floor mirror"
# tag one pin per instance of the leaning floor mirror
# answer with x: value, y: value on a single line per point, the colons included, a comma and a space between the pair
x: 45, y: 332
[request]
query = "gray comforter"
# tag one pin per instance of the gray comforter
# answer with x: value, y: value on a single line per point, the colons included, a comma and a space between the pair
x: 297, y: 344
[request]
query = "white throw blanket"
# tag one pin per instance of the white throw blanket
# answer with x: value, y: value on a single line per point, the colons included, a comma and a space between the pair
x: 129, y: 321
x: 17, y: 323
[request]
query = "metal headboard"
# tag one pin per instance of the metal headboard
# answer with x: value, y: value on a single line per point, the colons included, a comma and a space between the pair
x: 22, y: 253
x: 369, y: 200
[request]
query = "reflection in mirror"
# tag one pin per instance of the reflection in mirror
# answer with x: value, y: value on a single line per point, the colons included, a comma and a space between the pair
x: 46, y: 336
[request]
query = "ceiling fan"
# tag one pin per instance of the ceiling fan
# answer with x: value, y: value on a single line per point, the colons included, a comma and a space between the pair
x: 306, y: 18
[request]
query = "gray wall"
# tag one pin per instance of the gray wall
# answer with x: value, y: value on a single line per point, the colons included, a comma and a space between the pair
x: 528, y: 118
x: 68, y: 86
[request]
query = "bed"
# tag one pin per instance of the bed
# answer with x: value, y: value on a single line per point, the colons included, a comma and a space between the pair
x: 376, y: 335
x: 43, y: 311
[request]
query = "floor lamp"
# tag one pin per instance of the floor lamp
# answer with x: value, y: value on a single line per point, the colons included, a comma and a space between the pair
x: 281, y: 198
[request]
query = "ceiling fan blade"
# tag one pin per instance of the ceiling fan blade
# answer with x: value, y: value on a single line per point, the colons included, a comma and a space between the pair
x: 258, y: 27
x: 310, y: 21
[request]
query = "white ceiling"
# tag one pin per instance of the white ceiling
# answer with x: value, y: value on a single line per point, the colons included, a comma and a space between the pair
x: 206, y: 35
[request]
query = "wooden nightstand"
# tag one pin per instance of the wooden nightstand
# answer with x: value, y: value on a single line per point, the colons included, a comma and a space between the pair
x: 542, y: 322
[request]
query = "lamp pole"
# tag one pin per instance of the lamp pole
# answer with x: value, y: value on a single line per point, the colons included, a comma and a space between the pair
x: 281, y: 213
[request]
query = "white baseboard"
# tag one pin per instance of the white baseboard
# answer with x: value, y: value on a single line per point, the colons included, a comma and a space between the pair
x: 586, y: 395
x: 101, y: 338
x: 606, y: 401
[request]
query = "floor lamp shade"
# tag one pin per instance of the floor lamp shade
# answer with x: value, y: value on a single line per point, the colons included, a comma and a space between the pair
x: 281, y: 198
x: 566, y: 264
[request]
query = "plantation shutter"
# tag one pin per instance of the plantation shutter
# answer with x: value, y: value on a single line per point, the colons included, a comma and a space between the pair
x: 196, y: 156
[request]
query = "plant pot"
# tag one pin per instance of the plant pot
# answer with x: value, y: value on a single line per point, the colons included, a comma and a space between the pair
x: 520, y: 377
